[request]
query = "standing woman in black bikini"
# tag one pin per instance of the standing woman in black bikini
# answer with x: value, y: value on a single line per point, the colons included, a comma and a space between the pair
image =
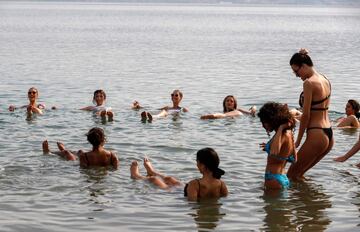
x: 314, y: 101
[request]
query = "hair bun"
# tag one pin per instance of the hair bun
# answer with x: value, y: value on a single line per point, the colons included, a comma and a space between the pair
x: 303, y: 51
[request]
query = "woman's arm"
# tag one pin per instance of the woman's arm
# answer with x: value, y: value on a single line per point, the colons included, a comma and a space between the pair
x: 88, y: 108
x: 350, y: 153
x: 114, y: 160
x: 350, y: 121
x: 278, y: 140
x: 251, y: 111
x: 305, y: 117
x: 192, y: 190
x: 224, y: 190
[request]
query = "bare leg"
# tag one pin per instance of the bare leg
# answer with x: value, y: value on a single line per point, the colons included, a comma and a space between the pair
x: 65, y: 153
x: 149, y: 116
x: 151, y: 172
x: 45, y: 147
x: 134, y: 171
x: 110, y: 116
x: 315, y: 147
x: 143, y: 116
x: 135, y: 174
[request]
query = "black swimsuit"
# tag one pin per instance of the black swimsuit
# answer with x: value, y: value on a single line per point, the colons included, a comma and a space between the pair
x: 198, y: 196
x: 327, y: 131
x: 186, y: 186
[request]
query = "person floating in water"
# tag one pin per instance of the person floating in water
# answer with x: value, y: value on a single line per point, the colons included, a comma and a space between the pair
x: 230, y: 110
x: 99, y: 108
x: 33, y: 107
x: 351, y: 120
x: 98, y: 156
x: 208, y: 186
x: 280, y: 148
x: 176, y: 98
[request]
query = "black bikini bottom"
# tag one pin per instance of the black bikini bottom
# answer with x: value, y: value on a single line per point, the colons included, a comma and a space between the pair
x: 327, y: 131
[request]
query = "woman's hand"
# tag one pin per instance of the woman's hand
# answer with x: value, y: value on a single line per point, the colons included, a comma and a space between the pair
x: 262, y: 146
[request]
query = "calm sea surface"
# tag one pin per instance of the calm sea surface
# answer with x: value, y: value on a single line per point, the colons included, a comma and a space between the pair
x: 143, y: 52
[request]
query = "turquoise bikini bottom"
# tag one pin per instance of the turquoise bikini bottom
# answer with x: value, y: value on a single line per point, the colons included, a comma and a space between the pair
x: 280, y: 178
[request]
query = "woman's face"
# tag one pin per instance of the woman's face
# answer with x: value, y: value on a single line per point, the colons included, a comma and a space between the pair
x: 32, y: 94
x: 298, y: 71
x: 230, y: 103
x: 175, y: 97
x: 99, y: 99
x: 267, y: 127
x: 349, y: 110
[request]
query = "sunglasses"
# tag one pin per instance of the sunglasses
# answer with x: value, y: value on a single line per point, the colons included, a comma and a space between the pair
x: 32, y: 92
x: 174, y: 95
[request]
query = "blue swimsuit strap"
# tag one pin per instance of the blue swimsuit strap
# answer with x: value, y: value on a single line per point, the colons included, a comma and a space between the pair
x: 290, y: 158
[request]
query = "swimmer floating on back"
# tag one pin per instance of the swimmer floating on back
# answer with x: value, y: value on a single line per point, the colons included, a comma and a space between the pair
x: 99, y: 107
x: 33, y: 107
x: 176, y: 98
x: 208, y: 186
x: 230, y: 110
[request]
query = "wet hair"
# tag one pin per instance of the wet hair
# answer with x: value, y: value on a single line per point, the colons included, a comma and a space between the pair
x: 99, y: 91
x: 178, y: 91
x: 96, y: 136
x: 301, y: 58
x: 208, y: 157
x: 275, y: 114
x: 356, y: 106
x: 224, y: 105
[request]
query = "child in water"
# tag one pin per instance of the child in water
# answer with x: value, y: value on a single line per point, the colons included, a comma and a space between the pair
x: 98, y: 156
x: 208, y: 186
x: 280, y: 148
x: 99, y: 108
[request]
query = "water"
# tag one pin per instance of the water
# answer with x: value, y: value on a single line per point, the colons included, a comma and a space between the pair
x: 143, y: 52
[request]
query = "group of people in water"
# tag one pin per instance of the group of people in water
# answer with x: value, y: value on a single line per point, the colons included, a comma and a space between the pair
x: 312, y: 117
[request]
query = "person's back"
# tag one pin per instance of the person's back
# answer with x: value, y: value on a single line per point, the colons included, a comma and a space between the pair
x: 321, y: 91
x: 208, y: 188
x: 98, y: 158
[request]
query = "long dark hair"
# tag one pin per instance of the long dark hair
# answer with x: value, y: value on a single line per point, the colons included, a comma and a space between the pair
x: 210, y: 159
x: 356, y: 106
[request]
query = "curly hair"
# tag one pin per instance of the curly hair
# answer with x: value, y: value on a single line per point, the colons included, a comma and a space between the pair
x: 96, y: 136
x: 275, y: 114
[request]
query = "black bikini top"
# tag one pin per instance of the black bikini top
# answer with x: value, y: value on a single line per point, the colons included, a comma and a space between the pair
x: 301, y: 100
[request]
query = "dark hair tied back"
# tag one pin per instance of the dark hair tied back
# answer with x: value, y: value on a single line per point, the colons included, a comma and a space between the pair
x: 210, y: 159
x: 301, y: 57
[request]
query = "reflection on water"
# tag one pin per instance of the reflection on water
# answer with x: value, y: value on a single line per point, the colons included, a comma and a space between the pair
x: 304, y: 209
x: 207, y: 214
